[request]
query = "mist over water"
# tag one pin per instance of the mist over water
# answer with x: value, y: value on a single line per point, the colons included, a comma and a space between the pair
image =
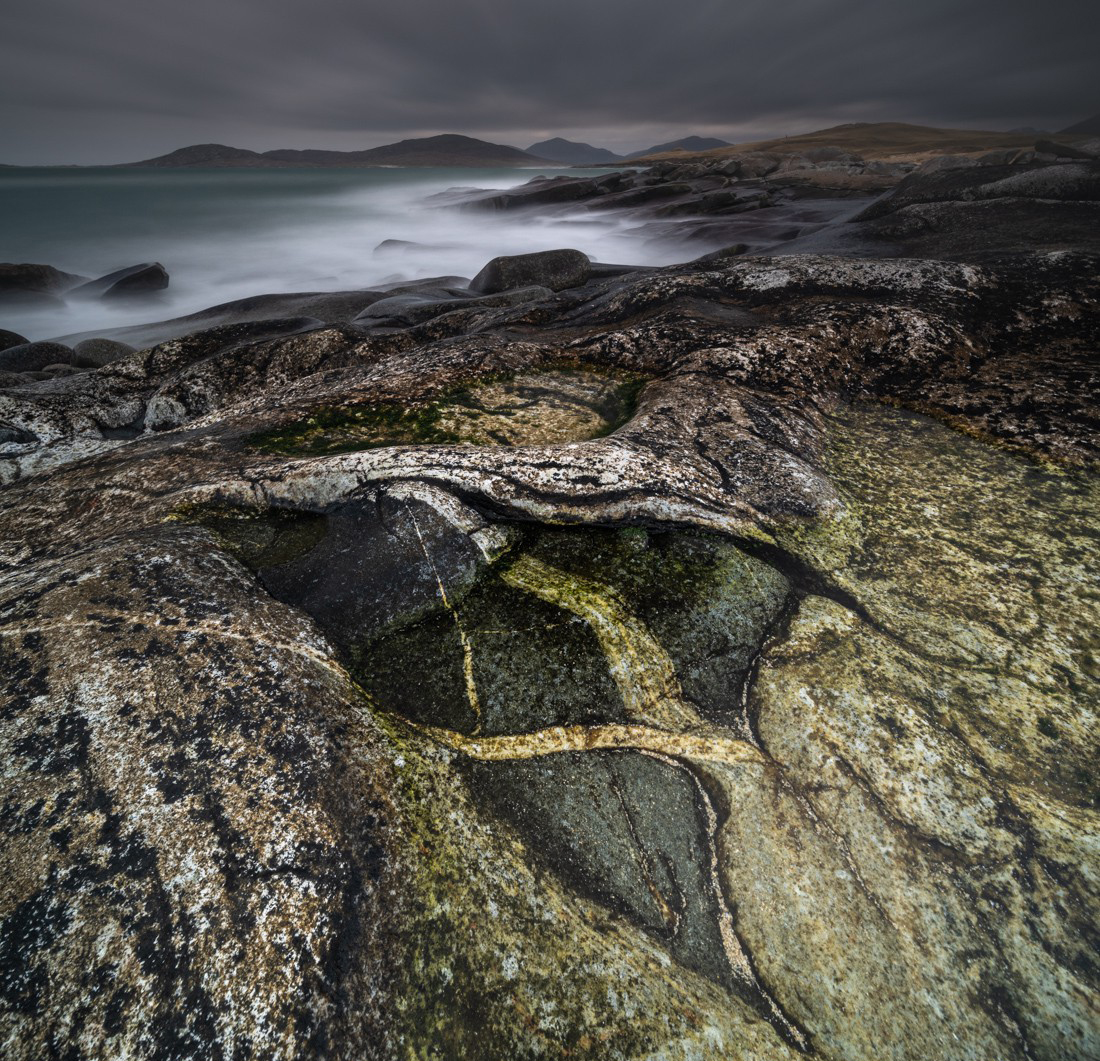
x: 224, y: 234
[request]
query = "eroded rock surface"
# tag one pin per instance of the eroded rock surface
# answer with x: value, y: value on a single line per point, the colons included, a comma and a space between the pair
x: 696, y: 663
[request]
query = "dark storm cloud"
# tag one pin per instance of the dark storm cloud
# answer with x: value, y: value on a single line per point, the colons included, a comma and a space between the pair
x: 80, y: 79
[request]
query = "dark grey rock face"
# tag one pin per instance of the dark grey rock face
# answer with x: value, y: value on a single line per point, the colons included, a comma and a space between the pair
x: 556, y: 270
x: 32, y: 357
x: 95, y: 353
x: 414, y: 308
x: 30, y: 277
x: 135, y: 280
x: 9, y: 339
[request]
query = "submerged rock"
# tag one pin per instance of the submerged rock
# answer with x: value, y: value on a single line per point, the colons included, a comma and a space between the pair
x: 133, y: 281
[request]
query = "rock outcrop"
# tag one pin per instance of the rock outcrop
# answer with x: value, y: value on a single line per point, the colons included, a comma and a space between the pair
x: 684, y: 663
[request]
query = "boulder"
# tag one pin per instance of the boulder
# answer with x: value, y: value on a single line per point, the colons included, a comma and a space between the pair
x: 758, y: 163
x: 27, y: 276
x: 8, y: 339
x: 123, y: 283
x: 557, y: 270
x: 95, y: 353
x: 33, y: 357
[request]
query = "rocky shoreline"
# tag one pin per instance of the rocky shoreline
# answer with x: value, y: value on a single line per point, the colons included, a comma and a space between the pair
x: 578, y: 661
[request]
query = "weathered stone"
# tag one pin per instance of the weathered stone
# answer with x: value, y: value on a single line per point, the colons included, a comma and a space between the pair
x: 136, y: 280
x: 95, y: 353
x: 556, y: 270
x: 33, y: 357
x: 30, y: 277
x: 10, y: 339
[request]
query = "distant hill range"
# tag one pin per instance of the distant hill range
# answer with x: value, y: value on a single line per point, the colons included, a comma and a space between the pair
x: 572, y: 153
x: 1090, y: 126
x: 687, y: 143
x: 446, y: 150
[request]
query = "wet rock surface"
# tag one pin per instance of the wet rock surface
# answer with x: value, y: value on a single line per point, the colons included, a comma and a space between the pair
x: 691, y: 663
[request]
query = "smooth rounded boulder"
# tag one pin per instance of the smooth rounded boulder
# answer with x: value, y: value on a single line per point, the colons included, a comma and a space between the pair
x: 556, y: 270
x: 30, y: 276
x: 123, y: 283
x: 95, y: 353
x: 33, y: 357
x: 9, y: 339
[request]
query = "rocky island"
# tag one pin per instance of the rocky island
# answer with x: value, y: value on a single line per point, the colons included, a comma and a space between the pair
x: 578, y: 660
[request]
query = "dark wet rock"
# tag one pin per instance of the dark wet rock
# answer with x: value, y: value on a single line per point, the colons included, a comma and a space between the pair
x: 635, y: 197
x: 134, y: 281
x: 95, y: 353
x: 335, y: 307
x: 402, y: 310
x: 543, y: 191
x: 1049, y: 147
x: 734, y: 250
x: 1069, y: 182
x: 31, y: 277
x: 379, y: 565
x: 389, y: 245
x: 9, y: 339
x: 557, y: 270
x: 33, y: 357
x: 977, y: 230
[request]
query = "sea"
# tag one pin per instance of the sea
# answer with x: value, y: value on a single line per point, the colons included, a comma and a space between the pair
x: 225, y: 234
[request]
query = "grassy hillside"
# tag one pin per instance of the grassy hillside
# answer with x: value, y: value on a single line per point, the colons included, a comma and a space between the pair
x: 883, y: 140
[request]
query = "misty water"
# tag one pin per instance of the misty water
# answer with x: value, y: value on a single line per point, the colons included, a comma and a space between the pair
x: 224, y: 234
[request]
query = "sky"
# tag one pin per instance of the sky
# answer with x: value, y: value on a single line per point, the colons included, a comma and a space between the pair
x: 102, y: 81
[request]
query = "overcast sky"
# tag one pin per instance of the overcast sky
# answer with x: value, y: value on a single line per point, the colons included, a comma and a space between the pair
x: 116, y: 80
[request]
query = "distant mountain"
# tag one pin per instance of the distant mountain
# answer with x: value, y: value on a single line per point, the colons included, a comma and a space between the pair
x: 572, y: 153
x: 214, y: 155
x: 1089, y: 125
x: 446, y: 150
x: 688, y: 143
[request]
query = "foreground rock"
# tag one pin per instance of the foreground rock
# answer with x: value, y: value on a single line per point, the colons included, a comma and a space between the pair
x: 582, y: 676
x: 555, y: 270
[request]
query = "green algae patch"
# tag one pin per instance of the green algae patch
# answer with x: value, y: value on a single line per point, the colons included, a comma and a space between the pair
x: 983, y: 563
x: 259, y: 538
x: 539, y: 635
x: 526, y: 409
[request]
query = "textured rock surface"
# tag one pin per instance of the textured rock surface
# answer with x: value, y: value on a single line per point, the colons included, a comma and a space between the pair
x: 579, y: 678
x: 553, y: 269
